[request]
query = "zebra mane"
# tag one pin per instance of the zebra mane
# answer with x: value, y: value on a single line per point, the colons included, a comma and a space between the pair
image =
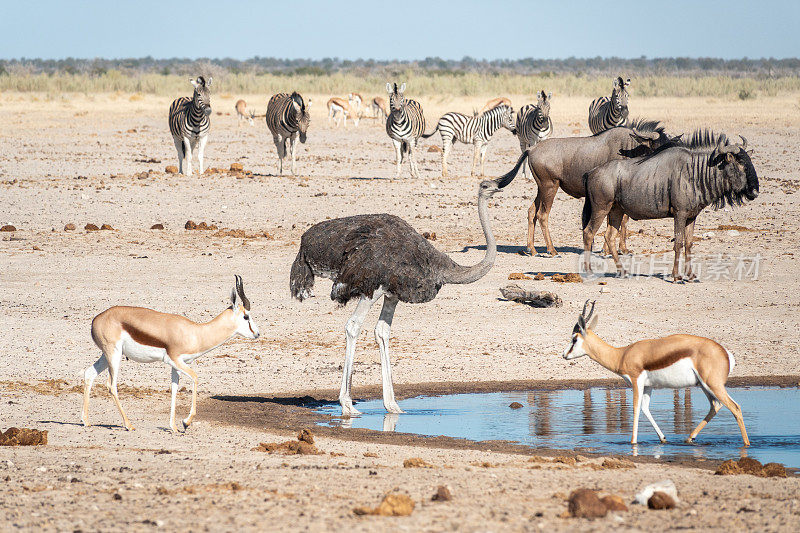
x: 201, y: 80
x: 298, y: 100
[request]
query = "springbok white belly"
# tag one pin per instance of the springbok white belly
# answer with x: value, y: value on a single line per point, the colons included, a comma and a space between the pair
x: 678, y: 375
x: 141, y: 353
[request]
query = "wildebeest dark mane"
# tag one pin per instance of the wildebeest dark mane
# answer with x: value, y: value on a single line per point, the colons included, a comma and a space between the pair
x: 700, y: 139
x: 643, y: 124
x: 710, y: 183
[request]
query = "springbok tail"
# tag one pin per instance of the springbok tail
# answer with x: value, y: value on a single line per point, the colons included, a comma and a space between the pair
x: 509, y: 176
x: 731, y: 361
x: 301, y: 278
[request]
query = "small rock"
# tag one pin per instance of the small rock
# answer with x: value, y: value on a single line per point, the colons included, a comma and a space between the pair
x: 443, y: 494
x: 434, y: 148
x: 515, y: 405
x: 8, y: 227
x: 430, y: 235
x: 604, y: 290
x: 611, y: 463
x: 518, y: 275
x: 91, y: 227
x: 236, y: 167
x: 190, y: 224
x: 733, y: 233
x: 393, y: 504
x: 774, y: 470
x: 660, y: 500
x: 157, y: 226
x: 571, y: 277
x: 614, y: 503
x: 539, y: 276
x: 708, y: 234
x: 728, y: 468
x: 584, y: 503
x: 117, y: 496
x: 667, y: 487
x: 306, y: 436
x: 69, y: 227
x: 748, y: 465
x: 106, y: 227
x: 416, y: 462
x: 171, y: 169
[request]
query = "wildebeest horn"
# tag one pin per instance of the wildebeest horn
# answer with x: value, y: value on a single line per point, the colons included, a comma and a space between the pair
x: 651, y: 135
x: 744, y: 143
x: 728, y: 149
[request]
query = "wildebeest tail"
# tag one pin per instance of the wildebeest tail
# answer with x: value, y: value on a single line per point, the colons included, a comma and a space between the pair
x: 586, y: 216
x: 301, y: 278
x: 509, y: 176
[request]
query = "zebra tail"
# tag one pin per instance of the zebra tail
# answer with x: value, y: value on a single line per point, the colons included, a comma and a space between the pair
x: 509, y: 176
x: 426, y: 135
x: 586, y: 215
x: 301, y: 278
x: 404, y: 149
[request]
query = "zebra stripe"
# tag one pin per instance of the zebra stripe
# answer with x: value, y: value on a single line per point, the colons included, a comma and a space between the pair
x: 287, y: 115
x: 476, y: 130
x: 606, y: 113
x: 404, y: 125
x: 190, y: 122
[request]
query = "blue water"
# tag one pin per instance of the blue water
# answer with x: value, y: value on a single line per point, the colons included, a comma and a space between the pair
x: 600, y: 420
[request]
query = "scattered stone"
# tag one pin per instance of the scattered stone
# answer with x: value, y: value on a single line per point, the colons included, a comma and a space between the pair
x: 584, y: 503
x: 733, y: 233
x: 157, y: 226
x: 236, y: 167
x: 434, y: 148
x: 191, y: 225
x: 443, y: 494
x: 91, y: 227
x: 117, y: 496
x: 539, y: 276
x: 393, y: 504
x: 147, y: 160
x: 8, y: 227
x: 614, y: 503
x: 732, y: 227
x: 565, y: 459
x: 518, y: 275
x: 660, y: 500
x: 69, y: 227
x: 416, y: 462
x: 106, y: 227
x: 571, y: 277
x: 430, y: 235
x: 370, y: 454
x: 305, y: 435
x: 515, y: 405
x: 23, y: 437
x: 746, y: 465
x: 171, y: 169
x: 667, y: 487
x: 611, y: 463
x: 515, y: 293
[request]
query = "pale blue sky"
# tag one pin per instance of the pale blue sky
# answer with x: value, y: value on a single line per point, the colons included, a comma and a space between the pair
x: 402, y: 29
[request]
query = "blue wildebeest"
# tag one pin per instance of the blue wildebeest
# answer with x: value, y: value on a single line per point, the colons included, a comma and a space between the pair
x: 677, y: 181
x: 562, y: 163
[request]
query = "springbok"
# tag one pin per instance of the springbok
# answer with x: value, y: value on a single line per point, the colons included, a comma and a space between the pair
x: 355, y: 100
x: 672, y: 362
x: 243, y: 114
x: 380, y: 108
x: 146, y: 336
x: 338, y: 106
x: 494, y: 102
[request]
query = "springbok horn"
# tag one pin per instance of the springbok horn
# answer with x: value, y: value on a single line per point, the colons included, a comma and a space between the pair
x: 585, y: 305
x: 240, y: 290
x: 591, y: 311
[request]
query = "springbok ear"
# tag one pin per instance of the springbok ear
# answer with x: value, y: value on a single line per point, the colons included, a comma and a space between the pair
x: 549, y: 96
x: 193, y: 82
x: 616, y: 83
x: 593, y: 321
x: 389, y: 88
x: 208, y: 83
x: 403, y: 88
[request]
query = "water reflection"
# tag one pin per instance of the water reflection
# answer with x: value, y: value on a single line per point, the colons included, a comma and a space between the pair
x: 599, y: 420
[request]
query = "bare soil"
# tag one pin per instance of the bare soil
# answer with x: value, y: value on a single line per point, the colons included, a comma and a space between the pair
x: 101, y: 159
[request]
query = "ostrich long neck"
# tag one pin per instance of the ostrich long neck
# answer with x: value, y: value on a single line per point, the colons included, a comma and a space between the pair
x: 468, y: 274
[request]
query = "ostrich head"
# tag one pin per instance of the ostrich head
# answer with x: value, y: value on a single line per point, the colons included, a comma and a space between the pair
x: 489, y: 188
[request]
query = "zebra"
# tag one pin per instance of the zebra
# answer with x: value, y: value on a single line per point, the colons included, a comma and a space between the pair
x: 476, y: 130
x: 287, y: 114
x: 606, y: 113
x: 189, y: 122
x: 404, y: 125
x: 534, y: 124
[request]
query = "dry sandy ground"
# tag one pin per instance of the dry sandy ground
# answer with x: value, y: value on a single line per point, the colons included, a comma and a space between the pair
x: 74, y: 160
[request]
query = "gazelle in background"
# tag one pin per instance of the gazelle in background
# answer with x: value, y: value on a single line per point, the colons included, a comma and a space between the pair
x: 242, y: 113
x: 337, y: 106
x: 380, y: 109
x: 672, y: 362
x: 146, y: 336
x: 494, y: 102
x: 355, y: 100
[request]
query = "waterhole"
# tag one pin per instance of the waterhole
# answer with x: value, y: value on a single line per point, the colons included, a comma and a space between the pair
x: 599, y: 420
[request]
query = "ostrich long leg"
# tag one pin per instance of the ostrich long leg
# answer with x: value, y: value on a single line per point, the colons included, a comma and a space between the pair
x: 382, y: 329
x: 352, y: 329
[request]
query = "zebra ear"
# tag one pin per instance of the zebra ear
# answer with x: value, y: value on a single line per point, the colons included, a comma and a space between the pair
x: 403, y: 88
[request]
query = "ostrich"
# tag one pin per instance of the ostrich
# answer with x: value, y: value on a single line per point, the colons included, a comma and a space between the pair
x: 373, y: 256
